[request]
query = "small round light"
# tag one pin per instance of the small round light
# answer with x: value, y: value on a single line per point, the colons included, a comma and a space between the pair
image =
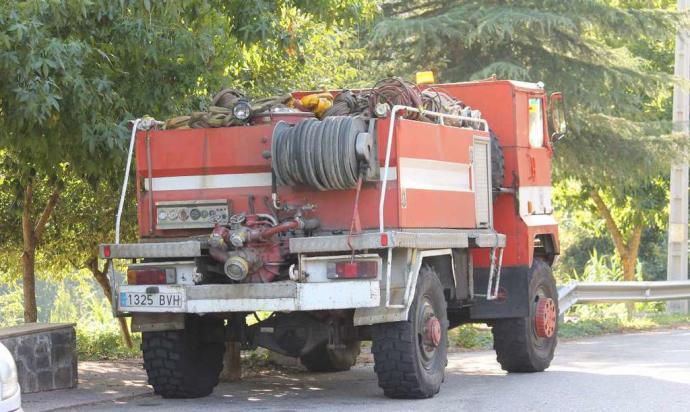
x: 242, y: 110
x: 184, y: 215
x: 162, y: 215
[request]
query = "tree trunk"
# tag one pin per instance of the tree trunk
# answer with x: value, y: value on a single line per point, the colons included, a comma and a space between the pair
x: 627, y: 250
x: 232, y: 368
x: 29, y: 278
x: 28, y: 257
x: 31, y: 236
x: 101, y: 276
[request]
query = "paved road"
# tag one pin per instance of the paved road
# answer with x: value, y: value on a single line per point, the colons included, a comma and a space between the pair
x: 631, y: 372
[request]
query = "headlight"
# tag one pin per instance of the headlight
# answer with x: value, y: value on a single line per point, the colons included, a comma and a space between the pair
x: 242, y: 110
x: 8, y: 374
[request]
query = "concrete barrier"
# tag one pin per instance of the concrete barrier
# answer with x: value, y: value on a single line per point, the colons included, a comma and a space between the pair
x: 46, y: 355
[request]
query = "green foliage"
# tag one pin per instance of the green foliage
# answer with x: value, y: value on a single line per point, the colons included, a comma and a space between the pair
x: 72, y: 73
x: 614, y: 62
x: 584, y: 238
x: 600, y: 325
x: 600, y: 320
x: 63, y: 308
x: 66, y: 87
x: 11, y: 308
x: 605, y: 56
x: 73, y: 299
x: 105, y: 345
x: 589, y: 327
x: 471, y: 337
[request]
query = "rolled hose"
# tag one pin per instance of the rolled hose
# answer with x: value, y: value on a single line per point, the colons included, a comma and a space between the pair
x: 317, y: 153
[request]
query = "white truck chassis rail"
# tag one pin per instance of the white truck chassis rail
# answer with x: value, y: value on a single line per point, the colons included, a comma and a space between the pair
x: 423, y: 239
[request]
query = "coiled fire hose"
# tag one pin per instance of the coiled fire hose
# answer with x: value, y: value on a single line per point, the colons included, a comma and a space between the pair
x: 347, y: 103
x: 320, y: 154
x: 395, y: 91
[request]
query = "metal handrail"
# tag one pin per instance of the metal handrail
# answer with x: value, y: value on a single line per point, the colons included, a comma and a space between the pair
x: 132, y: 139
x: 575, y: 293
x: 145, y: 123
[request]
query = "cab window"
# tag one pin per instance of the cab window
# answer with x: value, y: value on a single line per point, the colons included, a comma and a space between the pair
x: 536, y: 123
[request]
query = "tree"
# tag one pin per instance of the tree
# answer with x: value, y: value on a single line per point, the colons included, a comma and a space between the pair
x: 83, y: 220
x: 64, y: 96
x: 73, y: 72
x: 611, y: 58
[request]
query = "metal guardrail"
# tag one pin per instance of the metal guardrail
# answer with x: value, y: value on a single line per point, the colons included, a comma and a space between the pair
x: 615, y: 292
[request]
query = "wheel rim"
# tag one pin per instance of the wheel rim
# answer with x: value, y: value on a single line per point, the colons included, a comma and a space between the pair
x: 544, y: 318
x: 429, y: 331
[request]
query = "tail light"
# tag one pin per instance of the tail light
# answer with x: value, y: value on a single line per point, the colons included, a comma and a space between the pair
x: 358, y: 269
x: 151, y: 276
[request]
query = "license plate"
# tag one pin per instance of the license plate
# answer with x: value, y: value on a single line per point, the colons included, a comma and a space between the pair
x: 150, y: 300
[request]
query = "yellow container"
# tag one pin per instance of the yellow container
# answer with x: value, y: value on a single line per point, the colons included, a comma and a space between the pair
x: 425, y: 77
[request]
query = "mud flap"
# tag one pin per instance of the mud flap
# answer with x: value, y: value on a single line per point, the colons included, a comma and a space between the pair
x: 513, y: 295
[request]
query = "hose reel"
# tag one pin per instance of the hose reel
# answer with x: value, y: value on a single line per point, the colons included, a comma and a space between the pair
x: 322, y: 154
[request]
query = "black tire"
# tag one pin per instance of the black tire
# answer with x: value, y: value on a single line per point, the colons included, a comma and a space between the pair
x: 405, y: 368
x: 518, y: 348
x: 324, y: 359
x: 498, y: 164
x: 185, y: 363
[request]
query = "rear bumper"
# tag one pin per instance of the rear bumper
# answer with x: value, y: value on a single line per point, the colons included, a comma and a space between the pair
x: 250, y: 297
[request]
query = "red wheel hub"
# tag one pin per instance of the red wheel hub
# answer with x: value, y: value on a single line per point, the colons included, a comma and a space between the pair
x: 545, y: 318
x: 433, y: 331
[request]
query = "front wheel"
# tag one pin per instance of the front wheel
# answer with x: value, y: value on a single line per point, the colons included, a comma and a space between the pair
x: 528, y: 344
x: 410, y: 357
x: 185, y: 363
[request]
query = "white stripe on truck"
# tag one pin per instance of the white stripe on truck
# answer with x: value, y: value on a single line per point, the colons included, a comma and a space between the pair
x: 221, y: 181
x: 428, y: 174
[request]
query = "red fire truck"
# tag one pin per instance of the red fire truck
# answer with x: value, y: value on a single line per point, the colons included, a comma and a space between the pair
x: 394, y: 226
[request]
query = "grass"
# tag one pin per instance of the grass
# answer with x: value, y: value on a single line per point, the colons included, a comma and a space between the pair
x: 472, y: 337
x: 579, y: 328
x: 475, y: 337
x: 105, y: 345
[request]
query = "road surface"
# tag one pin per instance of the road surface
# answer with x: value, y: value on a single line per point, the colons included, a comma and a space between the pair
x: 630, y: 372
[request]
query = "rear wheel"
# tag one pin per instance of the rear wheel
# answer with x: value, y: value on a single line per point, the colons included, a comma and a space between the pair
x: 411, y: 357
x: 185, y: 363
x: 527, y: 344
x: 325, y: 359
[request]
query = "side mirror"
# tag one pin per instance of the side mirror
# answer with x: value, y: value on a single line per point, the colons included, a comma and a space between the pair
x: 558, y: 120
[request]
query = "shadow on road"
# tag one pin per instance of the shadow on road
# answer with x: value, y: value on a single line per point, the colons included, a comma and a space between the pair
x: 649, y: 371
